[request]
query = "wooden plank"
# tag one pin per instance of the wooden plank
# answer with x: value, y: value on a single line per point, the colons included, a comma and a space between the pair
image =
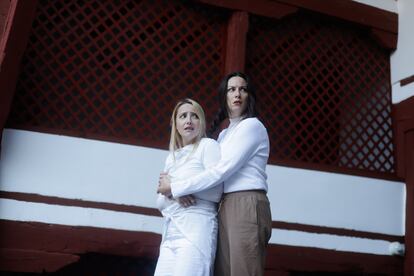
x: 259, y: 7
x: 409, y: 223
x: 307, y: 259
x: 236, y: 42
x: 383, y: 24
x: 402, y: 115
x: 25, y: 260
x: 4, y: 10
x: 77, y: 239
x: 351, y: 11
x: 12, y: 46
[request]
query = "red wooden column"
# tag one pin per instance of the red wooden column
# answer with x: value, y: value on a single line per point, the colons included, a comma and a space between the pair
x: 409, y: 223
x: 236, y: 42
x: 4, y: 10
x: 404, y: 146
x: 12, y: 45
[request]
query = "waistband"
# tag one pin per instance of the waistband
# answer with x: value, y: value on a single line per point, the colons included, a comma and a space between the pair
x: 247, y: 192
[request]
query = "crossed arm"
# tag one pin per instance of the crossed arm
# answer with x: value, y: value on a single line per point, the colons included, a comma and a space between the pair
x: 245, y: 143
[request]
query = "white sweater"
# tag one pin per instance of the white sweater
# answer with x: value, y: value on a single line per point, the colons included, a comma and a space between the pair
x: 244, y: 154
x: 187, y: 162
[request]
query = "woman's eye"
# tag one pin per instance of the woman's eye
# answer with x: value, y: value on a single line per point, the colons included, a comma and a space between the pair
x: 195, y: 116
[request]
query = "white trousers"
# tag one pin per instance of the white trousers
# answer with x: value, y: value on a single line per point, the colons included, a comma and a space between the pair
x: 180, y: 257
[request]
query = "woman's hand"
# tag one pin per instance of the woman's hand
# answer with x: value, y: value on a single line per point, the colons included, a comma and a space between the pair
x: 187, y: 201
x: 164, y: 184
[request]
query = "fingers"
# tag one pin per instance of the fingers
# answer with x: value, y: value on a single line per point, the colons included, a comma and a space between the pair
x: 160, y: 188
x: 187, y: 201
x: 164, y: 186
x: 164, y: 177
x: 164, y: 189
x: 184, y: 202
x: 192, y: 199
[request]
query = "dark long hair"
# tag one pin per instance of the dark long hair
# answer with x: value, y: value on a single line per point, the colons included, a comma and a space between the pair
x: 223, y: 112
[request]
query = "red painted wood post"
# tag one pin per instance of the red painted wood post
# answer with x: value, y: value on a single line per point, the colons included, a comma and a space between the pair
x: 4, y: 10
x: 12, y: 45
x: 409, y: 223
x: 236, y: 42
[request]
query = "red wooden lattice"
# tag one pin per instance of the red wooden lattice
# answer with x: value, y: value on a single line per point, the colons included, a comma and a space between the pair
x: 324, y: 91
x: 115, y: 69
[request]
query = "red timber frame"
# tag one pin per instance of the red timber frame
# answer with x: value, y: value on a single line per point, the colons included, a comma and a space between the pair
x: 16, y: 19
x: 316, y: 86
x: 49, y: 247
x: 382, y: 26
x: 404, y: 126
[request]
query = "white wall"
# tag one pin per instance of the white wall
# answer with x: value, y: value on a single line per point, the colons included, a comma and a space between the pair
x: 389, y: 5
x: 402, y: 60
x: 330, y: 242
x: 77, y: 168
x: 76, y: 216
x: 336, y: 200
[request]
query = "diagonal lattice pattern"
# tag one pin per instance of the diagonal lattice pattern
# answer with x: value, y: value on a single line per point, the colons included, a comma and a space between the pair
x: 114, y: 69
x: 324, y: 91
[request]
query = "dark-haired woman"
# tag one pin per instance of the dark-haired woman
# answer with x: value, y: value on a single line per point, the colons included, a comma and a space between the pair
x: 244, y: 214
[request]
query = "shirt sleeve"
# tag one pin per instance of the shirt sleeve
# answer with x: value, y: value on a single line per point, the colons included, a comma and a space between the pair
x: 161, y: 200
x: 168, y: 161
x: 244, y: 141
x: 211, y: 153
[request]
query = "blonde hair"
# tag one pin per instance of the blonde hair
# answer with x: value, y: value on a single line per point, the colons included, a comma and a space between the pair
x: 176, y: 140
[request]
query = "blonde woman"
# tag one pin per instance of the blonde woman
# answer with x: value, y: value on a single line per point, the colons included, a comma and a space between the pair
x: 189, y: 238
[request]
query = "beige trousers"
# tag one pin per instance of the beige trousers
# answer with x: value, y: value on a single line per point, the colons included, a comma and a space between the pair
x: 245, y: 226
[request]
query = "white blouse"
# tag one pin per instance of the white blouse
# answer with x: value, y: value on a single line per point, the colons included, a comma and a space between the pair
x: 192, y: 160
x: 244, y: 154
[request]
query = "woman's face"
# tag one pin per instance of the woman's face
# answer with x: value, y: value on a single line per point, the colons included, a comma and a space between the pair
x: 237, y: 96
x: 187, y: 123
